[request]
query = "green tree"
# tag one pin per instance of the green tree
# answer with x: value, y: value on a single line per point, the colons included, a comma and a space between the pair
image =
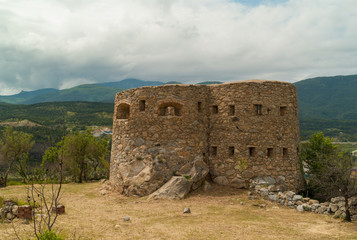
x: 315, y: 151
x: 329, y: 170
x: 13, y: 147
x: 84, y: 156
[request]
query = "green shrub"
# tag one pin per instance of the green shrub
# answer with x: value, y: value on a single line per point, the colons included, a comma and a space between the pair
x: 49, y: 235
x: 1, y: 201
x: 242, y: 164
x: 188, y: 178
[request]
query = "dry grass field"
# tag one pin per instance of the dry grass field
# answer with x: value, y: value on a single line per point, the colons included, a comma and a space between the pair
x: 215, y: 215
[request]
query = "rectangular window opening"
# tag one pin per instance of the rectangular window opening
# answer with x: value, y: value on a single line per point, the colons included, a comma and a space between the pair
x: 142, y: 105
x: 214, y: 109
x: 231, y: 110
x: 214, y: 151
x: 283, y: 110
x: 258, y: 109
x: 270, y: 152
x: 285, y: 152
x: 251, y: 151
x: 231, y: 151
x: 199, y: 106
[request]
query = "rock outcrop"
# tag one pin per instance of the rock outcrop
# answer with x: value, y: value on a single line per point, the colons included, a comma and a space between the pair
x: 191, y: 177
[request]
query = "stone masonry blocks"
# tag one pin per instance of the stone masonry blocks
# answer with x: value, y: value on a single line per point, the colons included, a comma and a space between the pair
x: 241, y: 130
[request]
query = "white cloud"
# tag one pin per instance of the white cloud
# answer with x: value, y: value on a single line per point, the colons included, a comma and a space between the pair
x: 48, y: 43
x: 72, y: 82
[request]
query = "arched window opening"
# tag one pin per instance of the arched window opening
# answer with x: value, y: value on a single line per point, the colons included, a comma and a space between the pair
x: 170, y: 109
x: 123, y: 111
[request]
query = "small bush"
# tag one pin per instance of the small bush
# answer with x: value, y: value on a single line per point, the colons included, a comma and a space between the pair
x: 188, y: 178
x: 1, y: 201
x: 242, y: 164
x: 49, y: 235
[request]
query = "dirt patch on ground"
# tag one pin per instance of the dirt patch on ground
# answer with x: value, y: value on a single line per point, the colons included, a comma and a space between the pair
x: 223, y: 213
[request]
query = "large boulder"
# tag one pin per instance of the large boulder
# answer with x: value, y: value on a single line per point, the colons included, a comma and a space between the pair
x: 142, y: 178
x: 198, y: 173
x: 191, y: 177
x: 176, y: 188
x: 221, y: 180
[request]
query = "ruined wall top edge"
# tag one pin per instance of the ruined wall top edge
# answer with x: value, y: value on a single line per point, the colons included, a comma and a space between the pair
x: 210, y: 86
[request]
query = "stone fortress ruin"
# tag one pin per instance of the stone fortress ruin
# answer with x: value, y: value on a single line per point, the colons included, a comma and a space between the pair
x: 184, y: 134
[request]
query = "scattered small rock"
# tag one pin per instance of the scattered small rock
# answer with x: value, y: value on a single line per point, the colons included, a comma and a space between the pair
x: 241, y: 203
x: 25, y: 221
x: 187, y: 210
x: 126, y: 219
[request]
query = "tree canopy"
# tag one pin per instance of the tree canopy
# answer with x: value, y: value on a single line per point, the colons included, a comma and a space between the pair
x: 14, y: 145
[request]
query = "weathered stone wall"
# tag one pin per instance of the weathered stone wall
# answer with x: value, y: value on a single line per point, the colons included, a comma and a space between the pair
x: 241, y: 130
x: 255, y: 142
x: 153, y: 143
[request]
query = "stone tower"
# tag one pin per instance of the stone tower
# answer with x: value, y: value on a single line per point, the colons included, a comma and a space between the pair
x: 241, y: 130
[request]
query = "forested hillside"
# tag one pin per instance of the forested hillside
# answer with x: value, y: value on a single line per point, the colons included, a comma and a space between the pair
x: 328, y: 97
x: 54, y: 118
x: 328, y: 104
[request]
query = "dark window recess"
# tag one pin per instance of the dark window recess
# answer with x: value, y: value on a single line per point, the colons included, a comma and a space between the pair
x: 251, y: 151
x: 258, y: 109
x: 285, y: 152
x: 199, y: 106
x: 231, y: 110
x: 142, y: 105
x: 215, y: 109
x: 231, y: 151
x: 270, y: 152
x: 123, y: 111
x: 283, y: 111
x: 214, y: 151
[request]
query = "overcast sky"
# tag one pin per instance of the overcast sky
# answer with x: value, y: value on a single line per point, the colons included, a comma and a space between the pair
x: 63, y: 43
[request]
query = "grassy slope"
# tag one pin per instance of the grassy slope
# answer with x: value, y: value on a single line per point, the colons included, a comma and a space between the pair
x: 215, y: 215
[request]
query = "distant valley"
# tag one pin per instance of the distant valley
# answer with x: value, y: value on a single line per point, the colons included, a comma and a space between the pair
x: 326, y: 104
